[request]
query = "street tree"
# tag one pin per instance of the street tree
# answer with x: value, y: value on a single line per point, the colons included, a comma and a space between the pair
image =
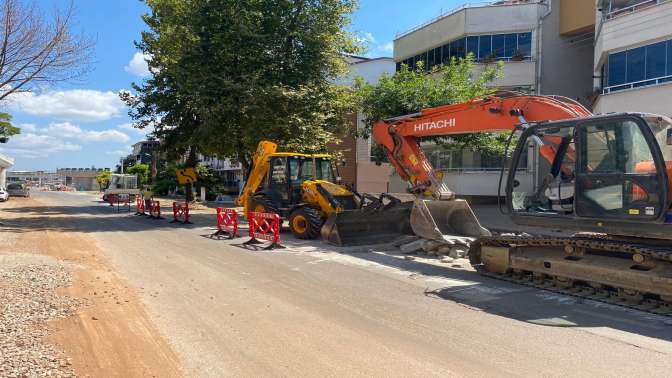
x: 141, y: 171
x: 226, y: 74
x: 6, y: 127
x: 103, y: 179
x: 409, y: 91
x: 36, y: 50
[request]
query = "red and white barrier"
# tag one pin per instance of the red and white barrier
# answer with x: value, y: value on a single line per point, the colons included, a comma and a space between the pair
x: 119, y: 199
x: 139, y: 206
x: 264, y: 226
x: 180, y: 213
x: 155, y: 210
x: 227, y: 223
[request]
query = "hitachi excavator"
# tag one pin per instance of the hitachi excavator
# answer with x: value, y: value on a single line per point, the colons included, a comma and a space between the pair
x: 603, y: 179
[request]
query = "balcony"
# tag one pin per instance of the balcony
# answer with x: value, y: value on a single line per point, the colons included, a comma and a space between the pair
x: 632, y: 24
x: 617, y: 8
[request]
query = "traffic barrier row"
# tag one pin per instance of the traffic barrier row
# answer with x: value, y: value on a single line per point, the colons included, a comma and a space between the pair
x: 227, y: 223
x: 155, y: 210
x: 264, y: 226
x: 181, y: 213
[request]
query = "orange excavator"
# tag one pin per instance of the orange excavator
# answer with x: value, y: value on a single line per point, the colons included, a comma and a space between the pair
x: 602, y: 179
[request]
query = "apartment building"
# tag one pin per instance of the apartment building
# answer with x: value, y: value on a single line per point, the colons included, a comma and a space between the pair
x: 633, y: 56
x: 546, y: 47
x: 359, y: 170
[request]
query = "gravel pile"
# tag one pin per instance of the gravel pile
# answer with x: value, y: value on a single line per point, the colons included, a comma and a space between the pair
x: 27, y: 301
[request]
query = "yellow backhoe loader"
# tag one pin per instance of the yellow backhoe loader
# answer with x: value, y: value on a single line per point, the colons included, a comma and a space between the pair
x: 301, y: 188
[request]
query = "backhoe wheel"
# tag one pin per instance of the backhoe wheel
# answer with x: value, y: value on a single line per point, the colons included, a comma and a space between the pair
x: 263, y: 204
x: 305, y: 222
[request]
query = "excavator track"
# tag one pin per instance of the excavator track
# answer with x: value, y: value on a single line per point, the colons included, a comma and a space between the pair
x: 531, y: 261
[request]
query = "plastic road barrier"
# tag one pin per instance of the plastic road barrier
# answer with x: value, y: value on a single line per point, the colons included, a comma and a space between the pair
x: 120, y: 199
x: 264, y: 226
x: 227, y: 223
x: 155, y: 210
x: 180, y: 213
x: 139, y: 206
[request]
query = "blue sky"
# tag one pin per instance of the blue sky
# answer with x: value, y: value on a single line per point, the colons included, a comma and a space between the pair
x: 83, y: 124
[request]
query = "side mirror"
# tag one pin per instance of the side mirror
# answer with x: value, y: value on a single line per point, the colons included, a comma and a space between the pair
x: 516, y: 183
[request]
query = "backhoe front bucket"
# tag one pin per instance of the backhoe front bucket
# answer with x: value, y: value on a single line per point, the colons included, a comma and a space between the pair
x: 449, y: 221
x: 365, y: 226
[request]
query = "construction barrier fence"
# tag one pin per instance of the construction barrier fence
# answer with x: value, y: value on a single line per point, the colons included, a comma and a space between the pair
x: 227, y: 223
x: 155, y: 210
x: 139, y: 206
x: 265, y: 226
x: 180, y: 213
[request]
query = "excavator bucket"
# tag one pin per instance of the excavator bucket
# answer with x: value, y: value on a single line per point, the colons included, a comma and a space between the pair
x: 449, y: 221
x: 367, y: 226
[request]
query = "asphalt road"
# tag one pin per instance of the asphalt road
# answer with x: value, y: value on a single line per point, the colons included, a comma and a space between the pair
x: 307, y: 310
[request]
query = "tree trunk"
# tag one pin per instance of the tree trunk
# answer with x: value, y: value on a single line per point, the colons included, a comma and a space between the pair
x: 191, y: 162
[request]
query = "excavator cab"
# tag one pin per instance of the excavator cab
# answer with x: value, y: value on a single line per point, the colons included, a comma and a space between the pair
x: 607, y: 174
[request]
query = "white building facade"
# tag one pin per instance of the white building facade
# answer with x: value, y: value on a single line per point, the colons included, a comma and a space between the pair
x: 546, y: 47
x: 633, y: 56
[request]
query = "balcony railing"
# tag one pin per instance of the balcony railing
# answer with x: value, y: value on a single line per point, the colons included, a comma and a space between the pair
x: 638, y: 84
x: 449, y: 12
x: 610, y: 14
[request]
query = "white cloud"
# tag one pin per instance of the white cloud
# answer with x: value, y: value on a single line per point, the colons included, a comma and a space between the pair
x: 119, y: 152
x: 26, y: 127
x: 68, y: 130
x: 129, y: 127
x: 369, y: 38
x: 138, y: 65
x: 31, y: 146
x: 386, y: 47
x: 72, y: 105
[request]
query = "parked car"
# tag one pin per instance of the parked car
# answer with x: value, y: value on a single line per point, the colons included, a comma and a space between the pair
x: 4, y: 196
x: 16, y: 189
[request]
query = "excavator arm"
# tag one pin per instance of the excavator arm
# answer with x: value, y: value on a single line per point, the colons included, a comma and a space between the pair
x: 497, y: 113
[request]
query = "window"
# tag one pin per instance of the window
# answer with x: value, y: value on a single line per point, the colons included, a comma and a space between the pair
x: 457, y: 48
x: 655, y: 60
x: 421, y: 58
x: 510, y: 45
x: 498, y: 46
x: 613, y: 179
x: 669, y: 58
x: 484, y: 46
x: 472, y: 46
x: 525, y: 44
x: 641, y: 66
x: 617, y: 69
x: 430, y: 59
x: 445, y: 53
x: 636, y: 59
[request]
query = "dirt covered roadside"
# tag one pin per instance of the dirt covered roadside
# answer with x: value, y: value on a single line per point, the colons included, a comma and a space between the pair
x: 65, y: 311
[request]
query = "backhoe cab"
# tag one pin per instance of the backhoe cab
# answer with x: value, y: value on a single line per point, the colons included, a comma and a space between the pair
x: 301, y: 188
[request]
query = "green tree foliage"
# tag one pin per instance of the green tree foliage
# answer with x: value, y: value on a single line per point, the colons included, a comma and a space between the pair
x: 227, y: 74
x: 6, y: 127
x: 408, y: 91
x: 103, y: 179
x: 140, y: 170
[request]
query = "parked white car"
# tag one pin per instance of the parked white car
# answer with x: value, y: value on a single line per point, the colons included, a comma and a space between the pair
x: 4, y: 196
